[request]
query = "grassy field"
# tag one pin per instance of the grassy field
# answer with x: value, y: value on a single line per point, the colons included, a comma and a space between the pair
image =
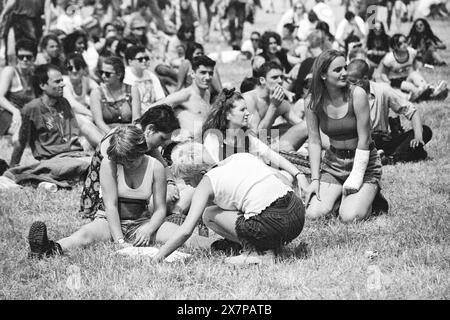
x: 327, y: 261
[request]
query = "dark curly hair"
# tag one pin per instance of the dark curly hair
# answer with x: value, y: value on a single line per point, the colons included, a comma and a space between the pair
x: 161, y: 117
x: 217, y: 118
x: 265, y: 38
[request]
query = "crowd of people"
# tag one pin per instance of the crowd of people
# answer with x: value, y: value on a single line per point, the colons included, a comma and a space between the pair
x: 122, y: 97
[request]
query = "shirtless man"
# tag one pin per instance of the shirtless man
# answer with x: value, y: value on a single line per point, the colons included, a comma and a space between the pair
x: 267, y: 102
x: 192, y: 104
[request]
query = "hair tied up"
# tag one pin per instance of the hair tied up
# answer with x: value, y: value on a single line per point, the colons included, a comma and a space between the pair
x: 228, y: 92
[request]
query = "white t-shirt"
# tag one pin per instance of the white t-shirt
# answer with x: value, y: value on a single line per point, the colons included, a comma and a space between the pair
x: 244, y: 183
x: 212, y: 144
x: 88, y: 85
x: 397, y: 70
x: 344, y: 24
x: 149, y: 86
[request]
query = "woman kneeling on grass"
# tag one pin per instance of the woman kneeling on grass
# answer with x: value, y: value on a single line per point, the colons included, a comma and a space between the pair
x: 253, y: 206
x: 128, y: 179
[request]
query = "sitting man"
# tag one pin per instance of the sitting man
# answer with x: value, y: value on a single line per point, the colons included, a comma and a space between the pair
x: 267, y: 102
x: 406, y: 146
x: 192, y: 104
x: 137, y: 74
x: 50, y: 128
x: 253, y: 206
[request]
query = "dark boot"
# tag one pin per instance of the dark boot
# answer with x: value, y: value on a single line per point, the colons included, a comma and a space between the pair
x: 40, y: 246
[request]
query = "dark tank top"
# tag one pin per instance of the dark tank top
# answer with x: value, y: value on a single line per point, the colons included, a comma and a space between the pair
x: 340, y: 129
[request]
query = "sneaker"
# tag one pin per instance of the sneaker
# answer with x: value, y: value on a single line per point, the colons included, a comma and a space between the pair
x: 40, y: 246
x: 227, y: 246
x: 250, y: 258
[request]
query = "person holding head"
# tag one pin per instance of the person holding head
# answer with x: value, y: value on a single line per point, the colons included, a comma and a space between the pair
x: 16, y: 88
x: 252, y: 206
x: 137, y: 74
x: 128, y: 178
x: 377, y: 44
x: 407, y: 146
x: 422, y: 38
x: 351, y: 167
x: 225, y: 132
x: 51, y: 52
x: 267, y: 102
x: 192, y: 104
x: 400, y: 67
x: 114, y: 102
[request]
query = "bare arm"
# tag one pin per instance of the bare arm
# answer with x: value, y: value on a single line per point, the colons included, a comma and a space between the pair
x: 135, y: 103
x: 290, y: 115
x: 255, y: 119
x: 159, y: 203
x: 200, y: 199
x: 382, y: 71
x: 24, y: 136
x: 174, y: 99
x: 97, y: 113
x: 108, y: 182
x: 182, y: 74
x: 7, y: 76
x: 314, y: 143
x: 362, y: 113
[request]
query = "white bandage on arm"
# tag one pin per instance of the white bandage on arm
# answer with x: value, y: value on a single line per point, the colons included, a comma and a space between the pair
x: 355, y: 179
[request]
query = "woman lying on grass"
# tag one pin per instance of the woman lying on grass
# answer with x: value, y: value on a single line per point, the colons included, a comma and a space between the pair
x: 128, y: 179
x: 253, y: 206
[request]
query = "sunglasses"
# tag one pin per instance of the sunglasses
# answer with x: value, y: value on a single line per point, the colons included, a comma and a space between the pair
x: 139, y: 28
x: 255, y: 39
x: 29, y: 57
x: 142, y: 59
x: 71, y: 68
x: 106, y: 73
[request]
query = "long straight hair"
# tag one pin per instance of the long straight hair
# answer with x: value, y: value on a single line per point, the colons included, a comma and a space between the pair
x: 318, y: 90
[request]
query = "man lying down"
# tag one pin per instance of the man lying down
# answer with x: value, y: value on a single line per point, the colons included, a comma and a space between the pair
x: 253, y: 206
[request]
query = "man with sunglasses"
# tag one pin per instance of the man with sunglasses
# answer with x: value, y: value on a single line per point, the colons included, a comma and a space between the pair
x: 250, y: 47
x: 397, y: 146
x: 137, y: 73
x: 16, y: 89
x: 25, y: 18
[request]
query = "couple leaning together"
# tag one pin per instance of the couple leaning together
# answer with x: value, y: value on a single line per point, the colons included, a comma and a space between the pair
x: 240, y: 198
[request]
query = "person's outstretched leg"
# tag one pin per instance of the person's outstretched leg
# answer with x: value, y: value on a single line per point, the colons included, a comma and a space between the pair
x: 97, y: 230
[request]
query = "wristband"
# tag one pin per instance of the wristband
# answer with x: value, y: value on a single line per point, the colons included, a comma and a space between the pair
x: 120, y: 241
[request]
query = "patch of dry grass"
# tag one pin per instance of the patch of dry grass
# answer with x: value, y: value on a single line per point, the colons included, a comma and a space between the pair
x: 327, y: 261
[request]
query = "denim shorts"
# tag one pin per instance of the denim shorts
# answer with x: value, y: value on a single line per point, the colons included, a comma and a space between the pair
x: 336, y: 169
x: 275, y: 226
